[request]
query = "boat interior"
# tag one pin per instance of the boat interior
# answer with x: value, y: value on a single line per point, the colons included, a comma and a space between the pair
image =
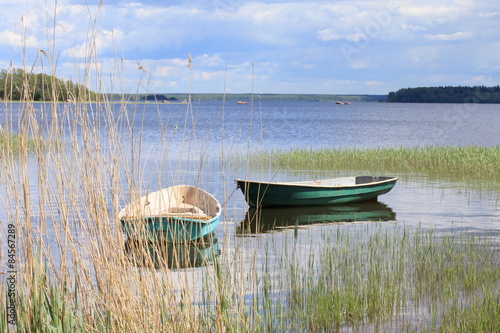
x: 344, y: 181
x: 176, y: 201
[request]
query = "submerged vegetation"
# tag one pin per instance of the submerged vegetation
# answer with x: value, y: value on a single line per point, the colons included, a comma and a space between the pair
x: 13, y: 143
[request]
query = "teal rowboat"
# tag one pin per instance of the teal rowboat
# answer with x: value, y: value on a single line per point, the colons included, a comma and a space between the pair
x: 316, y: 192
x: 176, y: 214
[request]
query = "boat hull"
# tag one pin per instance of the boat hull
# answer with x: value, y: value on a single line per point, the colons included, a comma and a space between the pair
x: 176, y: 214
x: 315, y: 193
x: 169, y: 229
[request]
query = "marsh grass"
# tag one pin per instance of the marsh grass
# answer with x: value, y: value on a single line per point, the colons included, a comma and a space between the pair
x: 466, y: 162
x: 359, y: 281
x: 354, y: 280
x: 11, y: 143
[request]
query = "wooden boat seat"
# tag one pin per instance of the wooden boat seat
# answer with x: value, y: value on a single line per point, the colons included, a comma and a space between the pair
x: 185, y: 210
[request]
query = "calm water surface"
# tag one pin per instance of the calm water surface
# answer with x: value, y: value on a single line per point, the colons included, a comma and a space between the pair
x: 174, y: 138
x: 184, y: 144
x: 270, y: 125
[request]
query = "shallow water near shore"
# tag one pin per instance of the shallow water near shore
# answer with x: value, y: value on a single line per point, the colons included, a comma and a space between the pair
x: 185, y: 144
x: 189, y: 144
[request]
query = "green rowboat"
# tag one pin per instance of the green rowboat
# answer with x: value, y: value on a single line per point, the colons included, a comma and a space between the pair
x: 316, y: 192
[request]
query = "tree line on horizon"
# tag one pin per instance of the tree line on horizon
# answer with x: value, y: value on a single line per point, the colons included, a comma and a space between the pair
x: 19, y: 85
x: 446, y: 94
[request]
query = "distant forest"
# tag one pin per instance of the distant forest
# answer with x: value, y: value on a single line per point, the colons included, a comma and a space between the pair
x: 18, y: 85
x: 477, y: 94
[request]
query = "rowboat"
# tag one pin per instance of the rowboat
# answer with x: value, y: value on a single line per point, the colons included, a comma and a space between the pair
x: 271, y: 219
x: 315, y: 192
x: 176, y: 214
x: 158, y: 254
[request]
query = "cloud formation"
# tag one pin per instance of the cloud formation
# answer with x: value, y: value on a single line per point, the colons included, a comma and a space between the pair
x: 353, y: 47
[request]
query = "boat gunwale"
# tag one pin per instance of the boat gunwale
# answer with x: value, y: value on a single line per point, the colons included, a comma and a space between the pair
x: 303, y: 184
x: 123, y: 217
x: 199, y: 219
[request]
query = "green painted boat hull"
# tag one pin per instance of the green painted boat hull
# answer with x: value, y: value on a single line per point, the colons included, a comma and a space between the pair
x: 176, y: 214
x: 169, y: 229
x: 315, y: 193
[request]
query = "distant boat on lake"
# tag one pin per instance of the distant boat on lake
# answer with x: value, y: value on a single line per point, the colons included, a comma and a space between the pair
x: 342, y: 103
x: 315, y: 192
x: 176, y: 214
x: 241, y: 102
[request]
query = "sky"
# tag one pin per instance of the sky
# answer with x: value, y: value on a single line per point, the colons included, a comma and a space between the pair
x: 262, y: 46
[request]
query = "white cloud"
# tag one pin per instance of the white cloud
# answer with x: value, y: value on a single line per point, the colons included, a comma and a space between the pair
x: 291, y: 43
x: 9, y: 38
x: 427, y: 12
x: 209, y: 60
x: 328, y: 34
x: 424, y: 54
x: 359, y: 64
x: 488, y: 14
x: 374, y: 83
x: 454, y: 36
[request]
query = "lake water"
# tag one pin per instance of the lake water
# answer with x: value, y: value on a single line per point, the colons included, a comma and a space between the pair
x: 184, y: 143
x: 179, y: 143
x: 269, y: 125
x: 272, y: 125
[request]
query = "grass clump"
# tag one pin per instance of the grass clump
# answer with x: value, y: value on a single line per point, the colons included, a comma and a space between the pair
x: 371, y: 278
x: 12, y: 143
x: 473, y: 162
x: 362, y: 281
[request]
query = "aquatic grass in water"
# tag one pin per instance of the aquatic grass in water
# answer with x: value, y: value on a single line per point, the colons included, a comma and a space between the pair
x: 471, y: 162
x: 363, y: 281
x: 351, y: 279
x: 12, y: 143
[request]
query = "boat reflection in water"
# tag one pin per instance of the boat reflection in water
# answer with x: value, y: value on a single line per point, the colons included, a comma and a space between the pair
x: 161, y: 253
x: 261, y: 220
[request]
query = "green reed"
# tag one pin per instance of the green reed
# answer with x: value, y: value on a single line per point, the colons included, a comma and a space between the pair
x: 363, y: 280
x: 473, y: 162
x: 353, y: 279
x: 12, y: 143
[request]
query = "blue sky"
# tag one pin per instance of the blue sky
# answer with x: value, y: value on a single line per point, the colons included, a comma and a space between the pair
x: 270, y: 46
